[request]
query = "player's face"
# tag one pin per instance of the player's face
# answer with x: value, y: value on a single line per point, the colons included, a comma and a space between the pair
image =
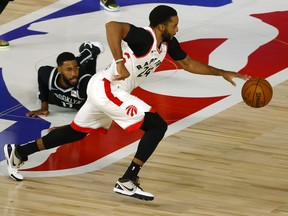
x: 69, y: 73
x: 171, y: 28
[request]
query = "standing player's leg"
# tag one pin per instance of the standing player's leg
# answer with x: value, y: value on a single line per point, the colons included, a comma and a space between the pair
x: 133, y: 113
x: 154, y: 127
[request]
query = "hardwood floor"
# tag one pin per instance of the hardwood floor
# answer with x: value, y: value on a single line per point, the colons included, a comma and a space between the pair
x: 16, y: 9
x: 232, y: 164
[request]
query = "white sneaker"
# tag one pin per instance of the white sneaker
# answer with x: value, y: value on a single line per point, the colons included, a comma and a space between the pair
x: 129, y: 188
x: 13, y: 163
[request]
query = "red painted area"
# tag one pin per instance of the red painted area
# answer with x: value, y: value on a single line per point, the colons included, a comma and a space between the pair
x: 271, y: 57
x: 264, y: 62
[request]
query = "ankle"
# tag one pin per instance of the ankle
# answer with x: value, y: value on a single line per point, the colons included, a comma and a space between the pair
x: 19, y: 156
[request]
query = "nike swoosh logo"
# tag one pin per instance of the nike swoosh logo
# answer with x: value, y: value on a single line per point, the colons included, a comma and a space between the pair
x: 9, y: 154
x: 13, y: 162
x: 129, y: 189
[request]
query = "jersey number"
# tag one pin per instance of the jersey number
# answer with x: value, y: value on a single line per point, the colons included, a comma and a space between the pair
x: 146, y: 72
x: 69, y: 105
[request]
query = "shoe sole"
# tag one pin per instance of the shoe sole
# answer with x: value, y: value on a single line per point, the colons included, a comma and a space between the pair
x: 14, y: 177
x: 137, y: 196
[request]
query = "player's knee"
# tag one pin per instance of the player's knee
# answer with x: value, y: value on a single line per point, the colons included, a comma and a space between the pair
x: 154, y: 121
x: 60, y: 136
x: 162, y: 125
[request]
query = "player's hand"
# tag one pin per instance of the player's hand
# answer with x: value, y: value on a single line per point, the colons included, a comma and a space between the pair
x: 123, y: 73
x: 229, y: 76
x: 37, y: 113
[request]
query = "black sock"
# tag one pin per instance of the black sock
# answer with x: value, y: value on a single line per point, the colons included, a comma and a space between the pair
x: 132, y: 171
x: 26, y: 149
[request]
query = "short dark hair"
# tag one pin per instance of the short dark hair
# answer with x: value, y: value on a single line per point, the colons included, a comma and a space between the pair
x: 161, y: 14
x: 65, y: 56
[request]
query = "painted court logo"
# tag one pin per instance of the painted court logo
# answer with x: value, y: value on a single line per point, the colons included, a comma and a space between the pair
x: 159, y: 92
x: 131, y: 110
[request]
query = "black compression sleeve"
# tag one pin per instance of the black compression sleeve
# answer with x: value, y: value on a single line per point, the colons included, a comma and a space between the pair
x: 61, y: 136
x: 175, y: 50
x: 139, y: 40
x: 155, y: 128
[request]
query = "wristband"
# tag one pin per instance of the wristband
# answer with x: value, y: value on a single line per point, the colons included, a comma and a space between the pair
x: 119, y: 60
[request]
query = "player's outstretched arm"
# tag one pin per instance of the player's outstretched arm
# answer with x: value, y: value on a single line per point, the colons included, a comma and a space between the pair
x: 198, y: 67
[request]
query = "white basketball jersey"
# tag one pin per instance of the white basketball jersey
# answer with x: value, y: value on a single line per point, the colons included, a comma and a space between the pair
x: 140, y: 67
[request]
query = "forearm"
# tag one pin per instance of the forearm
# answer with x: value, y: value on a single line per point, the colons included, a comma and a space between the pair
x: 201, y: 68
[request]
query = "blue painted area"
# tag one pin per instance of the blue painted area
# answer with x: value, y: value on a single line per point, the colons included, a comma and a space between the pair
x: 19, y: 33
x: 87, y: 6
x: 25, y: 128
x: 82, y: 7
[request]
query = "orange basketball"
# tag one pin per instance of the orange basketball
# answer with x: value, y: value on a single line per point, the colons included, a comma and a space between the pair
x: 257, y: 92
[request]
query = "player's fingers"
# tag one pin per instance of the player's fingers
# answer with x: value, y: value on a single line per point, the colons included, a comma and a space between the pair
x: 244, y: 77
x: 233, y: 83
x: 30, y: 114
x: 118, y: 77
x: 247, y: 77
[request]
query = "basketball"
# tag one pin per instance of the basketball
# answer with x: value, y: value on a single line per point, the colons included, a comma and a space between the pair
x: 257, y: 92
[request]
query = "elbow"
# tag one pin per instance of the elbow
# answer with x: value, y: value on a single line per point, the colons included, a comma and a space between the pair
x: 114, y: 29
x: 110, y: 25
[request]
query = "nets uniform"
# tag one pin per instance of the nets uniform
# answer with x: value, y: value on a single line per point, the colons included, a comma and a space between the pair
x: 111, y: 100
x: 73, y: 97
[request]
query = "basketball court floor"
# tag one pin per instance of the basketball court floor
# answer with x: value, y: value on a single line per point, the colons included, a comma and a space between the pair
x: 219, y: 156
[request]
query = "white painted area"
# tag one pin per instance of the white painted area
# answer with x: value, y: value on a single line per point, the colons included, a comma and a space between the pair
x: 5, y: 124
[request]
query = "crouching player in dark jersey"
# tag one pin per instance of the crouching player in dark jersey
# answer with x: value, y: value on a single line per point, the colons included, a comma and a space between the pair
x: 65, y: 85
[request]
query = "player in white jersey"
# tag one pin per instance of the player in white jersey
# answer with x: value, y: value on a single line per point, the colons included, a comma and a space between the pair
x: 125, y: 109
x: 109, y: 95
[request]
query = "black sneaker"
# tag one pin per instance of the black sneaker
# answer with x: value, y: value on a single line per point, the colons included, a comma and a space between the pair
x: 130, y: 188
x: 89, y: 50
x: 13, y: 162
x: 110, y: 5
x: 94, y: 47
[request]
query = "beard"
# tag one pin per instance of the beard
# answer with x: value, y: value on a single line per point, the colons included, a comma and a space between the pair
x: 166, y: 36
x: 67, y: 82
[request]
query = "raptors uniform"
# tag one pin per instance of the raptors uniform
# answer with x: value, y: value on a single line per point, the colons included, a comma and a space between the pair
x: 112, y: 100
x: 73, y: 97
